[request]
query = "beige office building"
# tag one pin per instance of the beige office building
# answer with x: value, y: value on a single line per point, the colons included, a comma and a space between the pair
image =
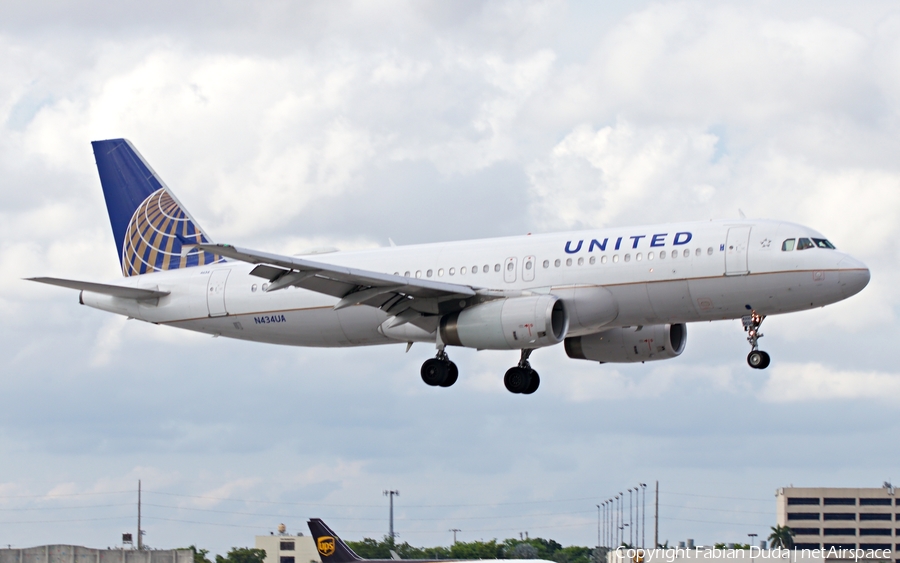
x: 283, y: 548
x: 842, y: 518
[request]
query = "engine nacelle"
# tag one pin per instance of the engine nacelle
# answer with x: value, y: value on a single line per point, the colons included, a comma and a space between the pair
x: 630, y: 344
x: 508, y: 324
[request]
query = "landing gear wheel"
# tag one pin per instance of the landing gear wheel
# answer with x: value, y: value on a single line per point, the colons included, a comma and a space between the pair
x: 435, y: 372
x: 533, y: 384
x: 452, y: 374
x: 517, y: 380
x: 758, y: 359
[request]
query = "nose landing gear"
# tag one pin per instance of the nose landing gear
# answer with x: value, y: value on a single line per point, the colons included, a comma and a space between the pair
x: 757, y: 359
x: 439, y: 371
x: 522, y: 379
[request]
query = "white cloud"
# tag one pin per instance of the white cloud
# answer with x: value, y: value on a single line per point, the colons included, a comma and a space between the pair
x: 791, y: 383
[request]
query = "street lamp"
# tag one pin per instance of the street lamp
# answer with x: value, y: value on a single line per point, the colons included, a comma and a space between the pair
x: 752, y: 540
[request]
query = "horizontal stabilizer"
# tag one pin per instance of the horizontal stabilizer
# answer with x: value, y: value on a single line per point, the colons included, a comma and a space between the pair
x: 106, y: 289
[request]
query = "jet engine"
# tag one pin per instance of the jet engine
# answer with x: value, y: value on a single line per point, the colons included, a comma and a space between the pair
x: 629, y: 344
x: 508, y: 324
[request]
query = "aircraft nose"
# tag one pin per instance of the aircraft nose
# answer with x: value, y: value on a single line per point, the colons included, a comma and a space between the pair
x: 854, y: 276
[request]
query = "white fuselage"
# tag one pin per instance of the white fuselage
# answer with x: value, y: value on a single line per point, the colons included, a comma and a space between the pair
x: 658, y: 274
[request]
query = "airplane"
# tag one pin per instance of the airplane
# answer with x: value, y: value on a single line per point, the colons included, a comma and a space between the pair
x: 619, y: 294
x: 332, y: 549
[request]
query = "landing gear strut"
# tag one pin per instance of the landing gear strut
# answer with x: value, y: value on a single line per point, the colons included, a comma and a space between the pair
x: 757, y: 359
x: 521, y: 378
x: 439, y: 371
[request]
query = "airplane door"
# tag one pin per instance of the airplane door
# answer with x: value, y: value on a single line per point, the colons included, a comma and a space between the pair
x: 215, y: 293
x: 736, y: 244
x: 528, y: 269
x: 509, y: 270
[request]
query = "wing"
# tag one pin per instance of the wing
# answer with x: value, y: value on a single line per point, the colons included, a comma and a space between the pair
x: 107, y: 289
x: 407, y: 299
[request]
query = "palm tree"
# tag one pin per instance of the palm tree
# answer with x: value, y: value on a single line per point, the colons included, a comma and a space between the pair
x: 781, y: 536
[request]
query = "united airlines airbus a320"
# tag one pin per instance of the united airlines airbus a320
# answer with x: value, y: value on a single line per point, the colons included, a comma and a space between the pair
x: 610, y: 295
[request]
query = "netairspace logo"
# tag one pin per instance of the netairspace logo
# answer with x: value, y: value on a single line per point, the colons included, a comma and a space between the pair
x: 670, y: 555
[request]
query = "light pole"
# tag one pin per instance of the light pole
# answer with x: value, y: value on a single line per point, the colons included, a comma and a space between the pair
x: 616, y: 529
x: 599, y: 539
x: 454, y: 530
x: 752, y: 540
x: 630, y: 521
x: 392, y: 494
x: 644, y: 515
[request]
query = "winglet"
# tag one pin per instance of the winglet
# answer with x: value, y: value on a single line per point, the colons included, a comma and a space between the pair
x: 331, y: 548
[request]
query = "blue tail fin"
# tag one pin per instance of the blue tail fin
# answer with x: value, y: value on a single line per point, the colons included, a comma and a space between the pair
x: 149, y: 224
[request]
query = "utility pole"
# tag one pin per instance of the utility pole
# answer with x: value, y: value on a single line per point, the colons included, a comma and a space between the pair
x: 656, y: 519
x: 140, y: 539
x: 454, y: 530
x: 392, y: 494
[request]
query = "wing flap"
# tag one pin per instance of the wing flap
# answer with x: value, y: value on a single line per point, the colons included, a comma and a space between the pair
x: 104, y: 288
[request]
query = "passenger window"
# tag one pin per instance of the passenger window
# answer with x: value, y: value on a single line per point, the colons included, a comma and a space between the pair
x: 709, y: 251
x: 822, y: 243
x: 787, y: 245
x: 804, y: 243
x: 638, y: 257
x: 487, y: 268
x: 556, y: 262
x: 662, y: 255
x: 697, y: 252
x: 581, y: 261
x: 496, y: 268
x: 440, y: 272
x: 452, y: 271
x: 650, y: 256
x: 593, y: 260
x: 462, y: 271
x: 474, y: 269
x: 674, y: 254
x: 568, y: 261
x: 628, y: 257
x: 615, y: 258
x: 603, y: 259
x: 418, y: 273
x: 510, y: 266
x: 253, y: 288
x: 265, y: 286
x: 406, y: 274
x: 428, y: 273
x: 546, y: 264
x: 686, y: 253
x: 527, y: 265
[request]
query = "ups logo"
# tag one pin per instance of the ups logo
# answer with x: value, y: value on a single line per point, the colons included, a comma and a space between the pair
x: 325, y: 544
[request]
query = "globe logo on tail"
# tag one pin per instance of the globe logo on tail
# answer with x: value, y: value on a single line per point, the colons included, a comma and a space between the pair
x: 155, y: 236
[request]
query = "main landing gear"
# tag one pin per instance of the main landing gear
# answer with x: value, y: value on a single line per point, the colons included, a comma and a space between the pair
x: 757, y: 359
x: 521, y: 379
x: 439, y: 371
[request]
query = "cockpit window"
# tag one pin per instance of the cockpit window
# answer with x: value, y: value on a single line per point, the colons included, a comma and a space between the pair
x: 804, y: 243
x: 822, y: 243
x: 788, y: 245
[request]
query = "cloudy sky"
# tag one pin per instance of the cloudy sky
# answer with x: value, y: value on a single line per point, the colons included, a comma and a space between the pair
x: 285, y: 126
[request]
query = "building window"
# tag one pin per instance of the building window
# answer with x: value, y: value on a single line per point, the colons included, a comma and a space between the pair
x: 796, y: 500
x: 803, y: 515
x: 286, y: 546
x: 839, y: 516
x: 875, y: 531
x: 874, y: 502
x: 868, y: 546
x: 287, y: 559
x: 840, y: 545
x: 807, y: 545
x: 806, y: 531
x: 839, y: 531
x: 875, y: 517
x: 840, y: 501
